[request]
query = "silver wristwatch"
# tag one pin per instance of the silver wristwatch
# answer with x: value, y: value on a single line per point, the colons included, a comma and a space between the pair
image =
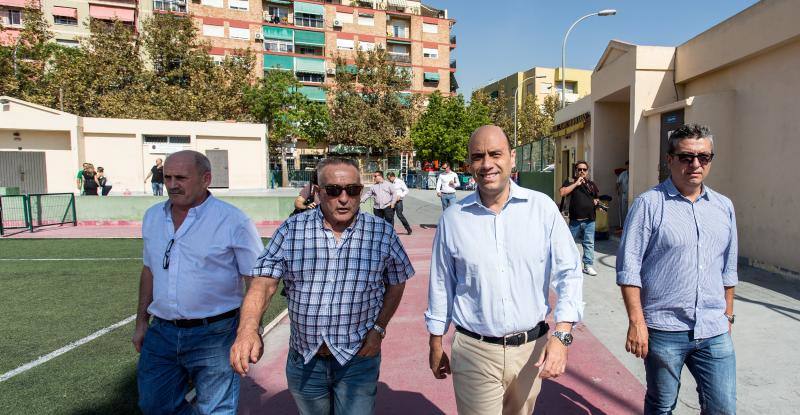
x: 564, y: 337
x: 380, y: 330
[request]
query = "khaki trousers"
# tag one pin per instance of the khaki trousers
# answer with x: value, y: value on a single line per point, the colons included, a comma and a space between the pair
x: 491, y: 379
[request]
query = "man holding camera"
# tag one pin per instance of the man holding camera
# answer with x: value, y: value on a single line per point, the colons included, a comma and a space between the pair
x: 583, y: 199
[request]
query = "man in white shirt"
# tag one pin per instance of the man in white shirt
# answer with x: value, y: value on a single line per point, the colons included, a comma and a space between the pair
x: 446, y: 185
x: 197, y: 250
x: 495, y: 256
x: 400, y: 191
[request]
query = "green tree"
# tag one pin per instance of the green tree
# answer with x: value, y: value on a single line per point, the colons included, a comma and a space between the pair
x: 24, y: 62
x: 443, y: 130
x: 499, y: 109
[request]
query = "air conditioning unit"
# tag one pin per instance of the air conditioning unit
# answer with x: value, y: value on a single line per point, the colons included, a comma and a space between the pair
x: 337, y: 23
x: 259, y: 37
x: 330, y: 71
x: 164, y: 148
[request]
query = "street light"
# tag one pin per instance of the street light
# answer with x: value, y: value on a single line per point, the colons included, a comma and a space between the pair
x: 515, y: 102
x: 606, y: 12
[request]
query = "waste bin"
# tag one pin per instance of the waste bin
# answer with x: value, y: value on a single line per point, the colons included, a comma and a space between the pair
x: 601, y: 219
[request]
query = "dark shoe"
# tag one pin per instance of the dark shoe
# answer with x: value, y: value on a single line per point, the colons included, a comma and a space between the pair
x: 408, y: 231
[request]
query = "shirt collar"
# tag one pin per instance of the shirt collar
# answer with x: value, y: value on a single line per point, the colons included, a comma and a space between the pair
x: 198, y: 210
x: 673, y: 191
x: 516, y: 193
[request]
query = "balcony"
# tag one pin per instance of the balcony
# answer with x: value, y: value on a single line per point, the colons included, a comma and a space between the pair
x: 178, y: 6
x: 452, y: 41
x: 398, y: 57
x: 453, y: 64
x: 277, y: 19
x: 306, y: 20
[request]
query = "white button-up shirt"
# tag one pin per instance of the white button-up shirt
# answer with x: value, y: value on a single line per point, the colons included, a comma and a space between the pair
x: 491, y: 272
x: 400, y: 188
x: 215, y: 245
x: 444, y: 180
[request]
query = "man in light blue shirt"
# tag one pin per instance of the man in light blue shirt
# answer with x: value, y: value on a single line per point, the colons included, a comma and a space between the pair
x: 196, y: 251
x: 676, y: 266
x: 495, y: 255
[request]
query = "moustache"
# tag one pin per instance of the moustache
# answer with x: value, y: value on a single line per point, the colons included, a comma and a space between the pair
x: 174, y: 191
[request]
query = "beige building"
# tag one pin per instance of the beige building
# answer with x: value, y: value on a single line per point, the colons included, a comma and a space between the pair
x: 740, y: 78
x: 41, y: 149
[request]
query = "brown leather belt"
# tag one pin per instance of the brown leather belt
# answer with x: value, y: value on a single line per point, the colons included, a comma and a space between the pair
x: 324, y: 352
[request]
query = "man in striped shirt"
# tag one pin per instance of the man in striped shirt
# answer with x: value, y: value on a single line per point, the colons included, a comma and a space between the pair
x: 676, y: 266
x: 344, y: 273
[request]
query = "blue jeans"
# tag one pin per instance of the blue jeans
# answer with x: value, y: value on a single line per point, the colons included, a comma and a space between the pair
x: 171, y: 356
x: 586, y: 229
x: 448, y: 199
x: 711, y: 361
x: 158, y: 189
x: 323, y: 386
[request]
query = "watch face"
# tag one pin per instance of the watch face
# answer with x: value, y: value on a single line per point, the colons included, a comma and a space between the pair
x: 568, y: 339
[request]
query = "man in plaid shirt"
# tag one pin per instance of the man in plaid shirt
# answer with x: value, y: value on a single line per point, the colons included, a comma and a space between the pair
x: 344, y: 273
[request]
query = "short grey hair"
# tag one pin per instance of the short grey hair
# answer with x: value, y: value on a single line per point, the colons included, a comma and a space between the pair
x: 689, y: 131
x: 201, y: 162
x: 335, y: 161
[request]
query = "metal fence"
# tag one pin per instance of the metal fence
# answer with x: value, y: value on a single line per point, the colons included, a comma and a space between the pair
x: 36, y: 210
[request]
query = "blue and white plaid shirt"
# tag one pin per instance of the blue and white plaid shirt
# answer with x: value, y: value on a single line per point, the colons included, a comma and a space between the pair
x: 335, y: 291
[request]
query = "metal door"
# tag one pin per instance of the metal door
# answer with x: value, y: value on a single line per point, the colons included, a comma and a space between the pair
x: 24, y: 169
x: 219, y: 167
x: 670, y: 121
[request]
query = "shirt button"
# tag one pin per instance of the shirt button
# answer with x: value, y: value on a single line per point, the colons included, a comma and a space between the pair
x: 701, y: 267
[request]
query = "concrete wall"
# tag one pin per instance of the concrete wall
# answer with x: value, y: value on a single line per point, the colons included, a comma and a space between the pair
x: 610, y: 121
x: 120, y: 157
x: 58, y: 155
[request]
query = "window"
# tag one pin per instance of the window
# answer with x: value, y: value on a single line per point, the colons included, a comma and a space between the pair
x: 213, y: 31
x: 430, y: 28
x: 278, y: 14
x: 366, y: 20
x: 346, y: 44
x: 308, y: 20
x: 211, y: 3
x: 570, y: 86
x: 12, y: 17
x: 68, y: 43
x: 273, y: 45
x: 217, y: 59
x: 309, y: 50
x: 239, y: 33
x: 545, y: 87
x: 310, y: 77
x: 309, y: 161
x: 366, y: 46
x: 64, y: 20
x: 170, y: 5
x: 430, y: 53
x: 169, y: 139
x: 239, y: 4
x: 344, y: 17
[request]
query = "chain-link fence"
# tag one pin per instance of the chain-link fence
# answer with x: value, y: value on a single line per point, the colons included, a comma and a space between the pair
x: 36, y: 210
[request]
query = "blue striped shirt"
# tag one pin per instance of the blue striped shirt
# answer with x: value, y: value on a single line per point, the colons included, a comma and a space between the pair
x: 682, y: 255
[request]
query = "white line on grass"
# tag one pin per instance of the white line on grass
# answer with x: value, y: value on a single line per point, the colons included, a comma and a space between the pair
x: 67, y: 259
x: 42, y: 359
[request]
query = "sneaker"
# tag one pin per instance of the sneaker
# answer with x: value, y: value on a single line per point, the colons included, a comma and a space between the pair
x: 587, y: 269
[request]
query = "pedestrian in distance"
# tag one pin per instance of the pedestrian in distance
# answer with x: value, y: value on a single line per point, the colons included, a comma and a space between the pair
x: 496, y: 254
x: 383, y: 197
x: 79, y: 177
x: 400, y: 190
x: 308, y: 197
x: 157, y: 173
x: 344, y: 273
x: 446, y: 185
x: 197, y: 253
x: 90, y: 183
x: 103, y: 182
x: 676, y: 267
x: 583, y: 200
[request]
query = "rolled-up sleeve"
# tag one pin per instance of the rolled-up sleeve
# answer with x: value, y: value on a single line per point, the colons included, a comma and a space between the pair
x: 565, y: 271
x: 247, y: 246
x: 441, y: 286
x: 272, y: 262
x: 730, y: 276
x: 635, y: 238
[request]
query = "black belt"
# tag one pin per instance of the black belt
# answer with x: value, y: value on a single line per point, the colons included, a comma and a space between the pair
x: 197, y: 322
x: 514, y: 339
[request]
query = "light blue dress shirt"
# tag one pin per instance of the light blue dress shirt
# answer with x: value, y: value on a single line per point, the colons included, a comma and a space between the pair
x: 491, y: 272
x: 682, y: 255
x: 215, y: 245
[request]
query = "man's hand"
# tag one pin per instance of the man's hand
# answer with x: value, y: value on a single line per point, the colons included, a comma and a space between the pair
x: 247, y: 349
x: 438, y: 194
x: 553, y: 361
x: 596, y: 202
x: 579, y: 181
x: 371, y: 346
x: 440, y: 364
x: 637, y: 340
x: 138, y: 335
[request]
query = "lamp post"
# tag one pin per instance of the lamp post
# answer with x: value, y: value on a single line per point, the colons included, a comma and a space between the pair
x: 515, y: 102
x: 606, y: 12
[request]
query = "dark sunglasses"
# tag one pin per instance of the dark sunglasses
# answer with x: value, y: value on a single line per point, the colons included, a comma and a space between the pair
x: 579, y: 169
x: 165, y: 262
x: 352, y: 190
x: 688, y: 158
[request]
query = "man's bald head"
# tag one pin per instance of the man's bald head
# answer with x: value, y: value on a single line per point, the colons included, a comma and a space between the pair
x: 487, y: 131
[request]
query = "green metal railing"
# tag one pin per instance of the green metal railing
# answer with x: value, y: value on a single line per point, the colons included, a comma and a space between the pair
x: 36, y: 210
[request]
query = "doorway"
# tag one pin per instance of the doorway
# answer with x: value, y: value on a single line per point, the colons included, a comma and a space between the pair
x: 219, y: 168
x: 24, y: 169
x: 670, y: 121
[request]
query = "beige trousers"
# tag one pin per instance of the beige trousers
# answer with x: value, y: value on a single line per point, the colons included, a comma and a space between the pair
x: 491, y: 379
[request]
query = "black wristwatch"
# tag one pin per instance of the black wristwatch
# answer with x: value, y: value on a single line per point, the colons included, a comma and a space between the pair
x: 730, y: 317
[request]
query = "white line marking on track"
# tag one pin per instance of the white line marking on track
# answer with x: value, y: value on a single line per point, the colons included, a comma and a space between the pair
x: 42, y: 359
x: 67, y: 259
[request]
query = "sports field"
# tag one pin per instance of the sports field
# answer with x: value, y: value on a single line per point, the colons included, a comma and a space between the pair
x: 55, y: 292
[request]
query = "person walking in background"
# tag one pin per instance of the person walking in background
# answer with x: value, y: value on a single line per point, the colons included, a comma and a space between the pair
x: 676, y: 267
x: 345, y: 273
x: 400, y: 190
x: 583, y: 200
x: 446, y: 185
x: 622, y: 191
x: 157, y: 173
x: 103, y: 182
x: 383, y: 198
x: 495, y: 256
x: 197, y: 252
x: 90, y: 183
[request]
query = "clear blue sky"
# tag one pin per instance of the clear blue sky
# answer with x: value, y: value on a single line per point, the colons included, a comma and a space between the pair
x: 499, y: 37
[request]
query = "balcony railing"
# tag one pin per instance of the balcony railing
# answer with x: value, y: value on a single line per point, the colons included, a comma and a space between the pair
x: 453, y: 40
x: 399, y: 57
x: 453, y: 64
x: 306, y: 21
x: 277, y: 19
